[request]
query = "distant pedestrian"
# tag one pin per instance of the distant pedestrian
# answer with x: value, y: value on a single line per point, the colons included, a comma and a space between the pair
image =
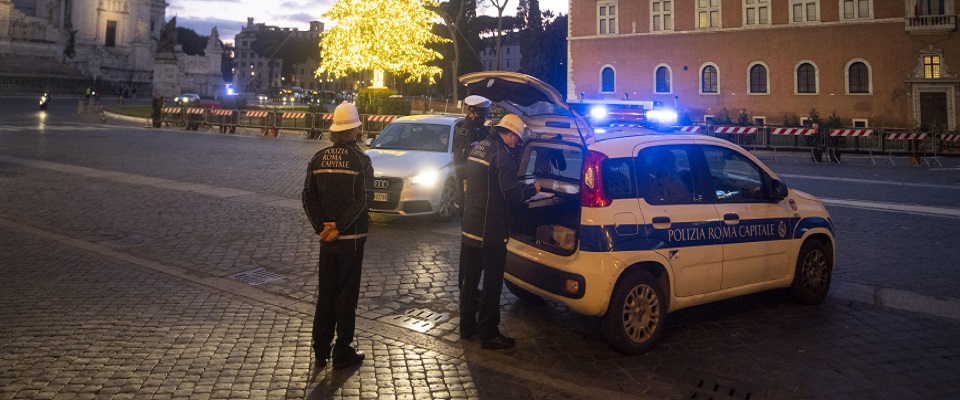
x: 157, y: 110
x: 493, y: 196
x: 335, y: 197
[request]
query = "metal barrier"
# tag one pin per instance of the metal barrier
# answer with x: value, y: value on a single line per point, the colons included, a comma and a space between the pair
x: 745, y: 136
x: 781, y: 137
x: 859, y: 139
x: 376, y: 123
x: 227, y: 120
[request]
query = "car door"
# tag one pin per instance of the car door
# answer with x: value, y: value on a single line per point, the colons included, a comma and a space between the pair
x: 755, y: 231
x: 678, y: 218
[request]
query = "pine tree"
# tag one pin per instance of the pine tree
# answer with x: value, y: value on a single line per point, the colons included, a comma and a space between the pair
x: 381, y: 35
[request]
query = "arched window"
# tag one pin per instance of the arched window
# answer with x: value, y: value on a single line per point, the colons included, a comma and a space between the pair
x: 806, y: 78
x: 663, y: 79
x: 709, y: 80
x: 758, y: 79
x: 607, y: 79
x: 858, y: 78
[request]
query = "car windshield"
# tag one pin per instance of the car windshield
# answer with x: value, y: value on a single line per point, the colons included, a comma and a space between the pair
x: 414, y: 136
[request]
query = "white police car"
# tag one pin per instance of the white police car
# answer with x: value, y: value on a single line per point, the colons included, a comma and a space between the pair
x: 631, y: 227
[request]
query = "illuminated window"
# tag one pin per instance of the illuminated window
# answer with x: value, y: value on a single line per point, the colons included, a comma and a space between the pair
x: 661, y: 12
x: 708, y: 14
x: 804, y: 10
x: 806, y: 78
x: 858, y: 78
x: 607, y: 17
x: 856, y: 9
x: 758, y: 79
x: 607, y: 77
x: 709, y: 80
x: 931, y: 67
x: 756, y: 12
x: 663, y: 79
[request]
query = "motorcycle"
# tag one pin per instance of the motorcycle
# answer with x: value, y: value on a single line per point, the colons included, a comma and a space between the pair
x: 44, y: 101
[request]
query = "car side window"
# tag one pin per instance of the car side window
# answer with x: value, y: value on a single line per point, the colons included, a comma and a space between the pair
x: 664, y: 176
x: 617, y: 178
x: 734, y: 178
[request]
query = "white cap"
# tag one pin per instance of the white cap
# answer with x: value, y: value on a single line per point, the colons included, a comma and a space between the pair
x: 512, y: 123
x: 477, y: 101
x: 345, y: 117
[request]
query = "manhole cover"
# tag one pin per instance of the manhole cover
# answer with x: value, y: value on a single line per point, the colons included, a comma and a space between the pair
x: 416, y: 319
x: 709, y: 386
x: 255, y: 276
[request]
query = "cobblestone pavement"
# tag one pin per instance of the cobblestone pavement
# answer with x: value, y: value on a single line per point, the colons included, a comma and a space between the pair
x: 124, y: 253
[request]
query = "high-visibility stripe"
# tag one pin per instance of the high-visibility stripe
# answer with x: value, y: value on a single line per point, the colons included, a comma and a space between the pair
x: 347, y: 237
x: 170, y: 110
x: 953, y: 137
x: 906, y: 136
x: 474, y: 237
x: 221, y: 112
x: 328, y: 117
x: 851, y: 132
x: 195, y: 110
x: 294, y: 115
x: 381, y: 118
x: 479, y: 160
x: 690, y: 129
x: 794, y: 131
x: 256, y: 114
x: 335, y: 171
x: 741, y: 130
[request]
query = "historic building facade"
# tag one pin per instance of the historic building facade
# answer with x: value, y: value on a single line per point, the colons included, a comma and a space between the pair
x: 111, y: 41
x: 254, y: 73
x: 875, y: 63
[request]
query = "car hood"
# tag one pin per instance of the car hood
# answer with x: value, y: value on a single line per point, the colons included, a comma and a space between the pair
x: 406, y: 163
x: 539, y: 105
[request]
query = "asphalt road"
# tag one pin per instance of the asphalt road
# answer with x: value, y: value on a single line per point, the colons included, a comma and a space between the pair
x: 144, y: 263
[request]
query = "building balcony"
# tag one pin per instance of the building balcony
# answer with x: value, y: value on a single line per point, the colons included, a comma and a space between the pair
x: 931, y: 24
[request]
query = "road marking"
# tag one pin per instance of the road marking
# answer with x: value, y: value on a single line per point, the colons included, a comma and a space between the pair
x: 73, y: 128
x: 872, y: 181
x: 894, y: 207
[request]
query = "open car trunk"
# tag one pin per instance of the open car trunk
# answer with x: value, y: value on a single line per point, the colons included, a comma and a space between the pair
x: 551, y: 220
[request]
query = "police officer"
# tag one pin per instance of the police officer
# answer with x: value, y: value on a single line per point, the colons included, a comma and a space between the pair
x: 335, y: 197
x: 493, y: 196
x: 472, y: 131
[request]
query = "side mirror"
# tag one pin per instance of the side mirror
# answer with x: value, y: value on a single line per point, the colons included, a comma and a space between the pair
x: 778, y: 191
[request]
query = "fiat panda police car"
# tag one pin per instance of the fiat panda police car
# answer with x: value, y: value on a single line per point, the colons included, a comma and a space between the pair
x: 631, y: 227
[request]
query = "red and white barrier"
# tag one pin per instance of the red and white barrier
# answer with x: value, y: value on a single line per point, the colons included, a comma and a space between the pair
x: 256, y: 114
x: 739, y: 130
x: 906, y: 136
x: 952, y: 137
x: 626, y: 126
x: 195, y: 110
x: 381, y: 118
x: 221, y: 112
x: 794, y: 131
x: 851, y: 132
x: 170, y: 110
x: 294, y: 115
x: 327, y: 117
x: 690, y: 129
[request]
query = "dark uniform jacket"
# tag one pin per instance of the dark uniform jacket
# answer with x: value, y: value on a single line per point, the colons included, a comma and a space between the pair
x: 338, y: 188
x: 494, y: 193
x: 471, y: 132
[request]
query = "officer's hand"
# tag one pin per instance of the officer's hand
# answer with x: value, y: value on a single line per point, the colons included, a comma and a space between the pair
x: 330, y: 232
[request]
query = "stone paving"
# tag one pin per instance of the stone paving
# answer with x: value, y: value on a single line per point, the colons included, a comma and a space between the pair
x: 95, y: 311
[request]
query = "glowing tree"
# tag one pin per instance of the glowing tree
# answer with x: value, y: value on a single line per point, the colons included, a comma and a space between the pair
x: 381, y: 35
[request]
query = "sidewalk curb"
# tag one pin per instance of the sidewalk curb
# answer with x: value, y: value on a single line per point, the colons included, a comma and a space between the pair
x: 897, y: 299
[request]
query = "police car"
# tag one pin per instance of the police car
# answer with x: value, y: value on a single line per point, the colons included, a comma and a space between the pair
x: 631, y: 227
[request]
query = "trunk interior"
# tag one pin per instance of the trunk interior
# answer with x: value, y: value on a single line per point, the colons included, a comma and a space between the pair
x: 551, y: 223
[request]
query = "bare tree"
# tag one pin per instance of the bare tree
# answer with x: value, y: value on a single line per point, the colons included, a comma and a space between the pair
x: 453, y: 25
x: 500, y: 5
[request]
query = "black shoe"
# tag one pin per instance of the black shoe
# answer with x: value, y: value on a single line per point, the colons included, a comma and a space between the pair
x: 349, y: 360
x: 498, y: 342
x: 467, y: 333
x: 321, y: 363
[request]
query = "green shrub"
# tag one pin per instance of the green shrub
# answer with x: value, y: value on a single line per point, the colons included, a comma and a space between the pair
x: 395, y: 106
x: 791, y: 120
x: 722, y: 117
x: 743, y: 119
x: 369, y: 101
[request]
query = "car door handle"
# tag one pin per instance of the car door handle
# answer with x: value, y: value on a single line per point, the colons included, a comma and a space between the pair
x: 731, y: 218
x: 663, y: 222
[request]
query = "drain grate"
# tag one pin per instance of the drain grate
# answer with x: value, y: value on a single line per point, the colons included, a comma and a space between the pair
x: 255, y: 276
x: 712, y: 387
x: 416, y: 319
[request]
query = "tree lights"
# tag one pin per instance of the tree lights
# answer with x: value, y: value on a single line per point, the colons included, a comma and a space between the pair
x: 381, y: 35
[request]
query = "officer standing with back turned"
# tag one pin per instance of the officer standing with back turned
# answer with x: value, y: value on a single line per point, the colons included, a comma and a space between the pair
x: 474, y: 129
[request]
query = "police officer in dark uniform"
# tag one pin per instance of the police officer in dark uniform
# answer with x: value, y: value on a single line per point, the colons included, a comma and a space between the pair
x: 494, y: 195
x: 335, y: 197
x: 472, y: 131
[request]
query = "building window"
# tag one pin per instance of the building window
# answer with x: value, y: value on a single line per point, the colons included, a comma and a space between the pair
x: 110, y: 40
x: 661, y: 12
x: 756, y: 12
x: 607, y: 18
x: 806, y: 78
x: 662, y: 79
x: 804, y: 10
x: 855, y: 9
x: 759, y: 121
x: 758, y: 79
x: 607, y: 77
x: 931, y: 67
x: 861, y: 123
x: 858, y: 78
x: 929, y: 7
x: 709, y: 79
x: 708, y: 14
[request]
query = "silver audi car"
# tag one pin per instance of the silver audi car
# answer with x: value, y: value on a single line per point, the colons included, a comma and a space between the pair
x: 413, y: 167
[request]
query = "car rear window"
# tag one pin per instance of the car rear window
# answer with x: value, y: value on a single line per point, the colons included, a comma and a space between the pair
x: 617, y: 178
x: 553, y: 162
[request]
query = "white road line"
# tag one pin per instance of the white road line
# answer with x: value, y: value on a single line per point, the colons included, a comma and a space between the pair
x: 871, y: 181
x: 894, y: 207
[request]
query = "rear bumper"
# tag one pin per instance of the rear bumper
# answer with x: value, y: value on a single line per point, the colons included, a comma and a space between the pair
x: 545, y: 278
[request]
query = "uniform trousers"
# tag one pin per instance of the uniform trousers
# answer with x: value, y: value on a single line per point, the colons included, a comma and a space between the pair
x: 337, y: 292
x: 476, y: 262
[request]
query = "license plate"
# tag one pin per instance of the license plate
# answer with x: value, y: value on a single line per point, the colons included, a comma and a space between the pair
x: 379, y: 196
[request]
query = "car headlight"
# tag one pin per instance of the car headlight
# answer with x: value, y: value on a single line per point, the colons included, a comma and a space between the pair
x: 426, y: 178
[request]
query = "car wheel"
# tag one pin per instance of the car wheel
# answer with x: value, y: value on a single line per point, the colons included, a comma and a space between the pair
x: 634, y: 320
x: 522, y: 294
x: 447, y: 199
x: 811, y: 281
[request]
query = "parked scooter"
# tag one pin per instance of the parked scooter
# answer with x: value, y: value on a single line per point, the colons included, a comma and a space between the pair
x: 44, y: 101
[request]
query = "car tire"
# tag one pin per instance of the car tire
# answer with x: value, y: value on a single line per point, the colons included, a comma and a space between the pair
x: 811, y: 280
x: 522, y: 294
x: 447, y: 199
x: 636, y: 315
